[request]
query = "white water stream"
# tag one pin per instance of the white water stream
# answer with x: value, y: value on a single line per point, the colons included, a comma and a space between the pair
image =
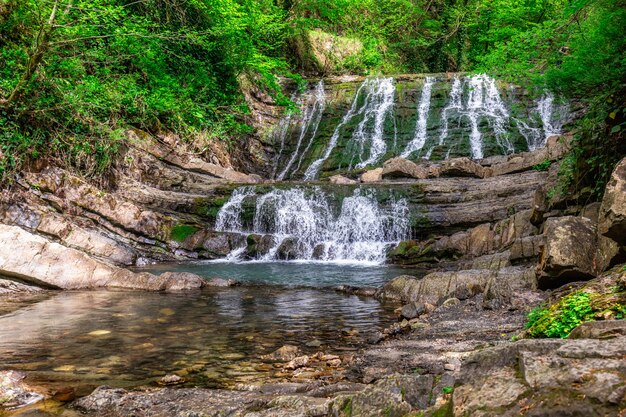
x: 314, y: 226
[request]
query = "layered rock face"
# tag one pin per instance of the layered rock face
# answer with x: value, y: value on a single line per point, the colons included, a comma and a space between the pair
x: 353, y: 122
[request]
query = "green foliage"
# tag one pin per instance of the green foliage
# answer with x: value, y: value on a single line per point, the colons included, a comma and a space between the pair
x: 561, y: 318
x: 543, y: 166
x: 181, y: 232
x: 75, y: 74
x: 447, y: 390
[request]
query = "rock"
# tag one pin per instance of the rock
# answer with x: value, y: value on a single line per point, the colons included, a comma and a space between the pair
x: 35, y: 260
x: 612, y: 217
x: 374, y: 175
x: 341, y: 180
x: 297, y: 362
x: 450, y: 302
x: 179, y: 281
x: 539, y: 374
x: 171, y: 379
x: 334, y: 363
x: 259, y: 245
x: 403, y: 168
x: 360, y: 291
x: 13, y: 286
x: 437, y: 287
x: 569, y: 252
x: 14, y: 392
x: 604, y: 329
x: 65, y: 394
x: 449, y: 367
x: 412, y: 310
x: 461, y: 167
x: 186, y: 161
x: 221, y: 282
x: 217, y: 244
x: 313, y: 343
x: 287, y: 250
x: 285, y: 353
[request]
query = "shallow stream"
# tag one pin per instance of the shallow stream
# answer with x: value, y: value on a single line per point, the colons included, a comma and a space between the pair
x: 212, y: 338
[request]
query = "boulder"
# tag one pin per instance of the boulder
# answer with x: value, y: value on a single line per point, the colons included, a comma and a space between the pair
x: 612, y: 217
x: 259, y: 245
x: 374, y: 175
x: 35, y: 260
x: 569, y: 251
x: 605, y: 329
x: 437, y: 287
x: 287, y: 249
x: 412, y: 310
x: 403, y: 168
x: 461, y: 167
x: 341, y: 180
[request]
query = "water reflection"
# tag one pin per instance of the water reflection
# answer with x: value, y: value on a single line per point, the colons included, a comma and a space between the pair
x: 213, y: 337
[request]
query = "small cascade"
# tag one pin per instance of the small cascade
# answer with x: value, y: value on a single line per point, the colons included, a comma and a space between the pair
x: 313, y: 170
x: 379, y: 101
x: 551, y: 121
x: 423, y: 108
x: 312, y: 225
x: 309, y: 123
x: 455, y: 103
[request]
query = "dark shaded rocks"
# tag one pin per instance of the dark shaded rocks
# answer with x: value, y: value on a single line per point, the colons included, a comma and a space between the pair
x: 259, y: 245
x: 612, y: 217
x: 569, y: 251
x: 287, y: 250
x: 412, y: 310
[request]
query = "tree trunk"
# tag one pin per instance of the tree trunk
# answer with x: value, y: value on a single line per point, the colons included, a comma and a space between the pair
x: 41, y: 46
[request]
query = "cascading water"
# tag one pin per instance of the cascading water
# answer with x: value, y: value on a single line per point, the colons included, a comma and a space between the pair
x: 309, y: 123
x: 312, y: 226
x: 545, y: 108
x: 370, y: 131
x: 422, y: 120
x: 478, y: 119
x: 314, y: 168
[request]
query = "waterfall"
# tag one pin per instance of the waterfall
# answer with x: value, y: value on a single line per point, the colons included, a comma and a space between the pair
x: 455, y: 103
x: 536, y: 137
x: 378, y: 102
x: 423, y: 107
x: 312, y: 171
x: 311, y: 117
x: 316, y: 226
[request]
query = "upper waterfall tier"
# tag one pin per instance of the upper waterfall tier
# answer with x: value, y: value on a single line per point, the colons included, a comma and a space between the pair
x: 347, y: 125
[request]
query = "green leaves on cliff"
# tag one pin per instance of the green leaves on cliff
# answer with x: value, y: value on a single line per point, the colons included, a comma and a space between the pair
x: 570, y: 311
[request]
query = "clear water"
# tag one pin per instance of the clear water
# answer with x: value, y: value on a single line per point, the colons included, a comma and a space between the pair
x: 290, y: 273
x: 213, y: 338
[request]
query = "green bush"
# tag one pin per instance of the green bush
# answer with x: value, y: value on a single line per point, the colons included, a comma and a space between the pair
x: 561, y: 318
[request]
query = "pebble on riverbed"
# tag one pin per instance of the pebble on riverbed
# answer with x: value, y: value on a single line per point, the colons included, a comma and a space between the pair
x: 171, y: 380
